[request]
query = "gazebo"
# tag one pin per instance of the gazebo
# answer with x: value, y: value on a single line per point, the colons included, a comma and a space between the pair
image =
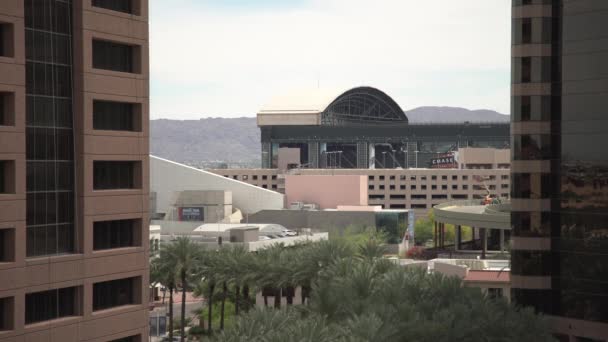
x: 491, y: 225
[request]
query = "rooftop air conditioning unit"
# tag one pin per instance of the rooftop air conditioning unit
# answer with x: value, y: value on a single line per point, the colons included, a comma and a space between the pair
x: 296, y: 205
x: 309, y: 206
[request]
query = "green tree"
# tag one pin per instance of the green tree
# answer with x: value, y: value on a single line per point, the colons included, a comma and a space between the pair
x: 186, y: 258
x: 371, y: 299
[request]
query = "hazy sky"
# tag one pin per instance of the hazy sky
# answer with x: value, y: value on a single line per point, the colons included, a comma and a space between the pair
x: 229, y: 57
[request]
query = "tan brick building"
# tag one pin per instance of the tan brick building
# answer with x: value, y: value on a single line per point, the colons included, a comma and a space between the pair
x: 74, y: 170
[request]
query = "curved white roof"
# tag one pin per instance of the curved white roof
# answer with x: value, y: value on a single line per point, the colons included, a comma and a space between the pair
x: 306, y: 101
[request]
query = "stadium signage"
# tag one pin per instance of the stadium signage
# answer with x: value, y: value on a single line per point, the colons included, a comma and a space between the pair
x: 444, y: 161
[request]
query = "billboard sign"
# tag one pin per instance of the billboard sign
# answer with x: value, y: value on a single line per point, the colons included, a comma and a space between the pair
x: 191, y: 214
x: 444, y: 161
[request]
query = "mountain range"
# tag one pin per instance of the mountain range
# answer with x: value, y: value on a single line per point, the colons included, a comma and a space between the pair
x: 238, y: 139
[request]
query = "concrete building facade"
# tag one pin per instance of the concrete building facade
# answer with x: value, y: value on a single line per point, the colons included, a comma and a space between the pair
x: 74, y: 168
x: 559, y: 259
x: 417, y: 189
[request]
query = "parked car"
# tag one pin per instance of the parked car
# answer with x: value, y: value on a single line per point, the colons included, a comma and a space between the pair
x: 288, y: 232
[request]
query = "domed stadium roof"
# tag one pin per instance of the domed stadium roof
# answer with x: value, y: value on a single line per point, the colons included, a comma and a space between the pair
x: 360, y: 105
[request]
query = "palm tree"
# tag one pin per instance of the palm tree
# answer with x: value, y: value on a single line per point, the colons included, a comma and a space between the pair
x: 186, y: 258
x: 164, y: 265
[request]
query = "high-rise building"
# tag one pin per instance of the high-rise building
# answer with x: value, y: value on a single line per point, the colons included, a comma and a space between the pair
x: 73, y: 170
x: 560, y: 164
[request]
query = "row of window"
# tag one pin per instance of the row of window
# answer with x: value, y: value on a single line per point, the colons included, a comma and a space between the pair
x: 434, y: 177
x: 435, y: 187
x: 253, y: 177
x: 125, y: 6
x: 425, y: 197
x: 67, y: 302
x: 44, y: 113
x: 57, y: 239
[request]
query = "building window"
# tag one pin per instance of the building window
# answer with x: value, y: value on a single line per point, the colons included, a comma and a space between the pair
x: 6, y: 313
x: 432, y: 178
x: 264, y: 177
x: 115, y: 234
x: 391, y: 187
x: 465, y: 178
x: 255, y: 177
x: 7, y: 245
x: 402, y: 187
x: 274, y: 186
x: 125, y: 6
x: 412, y: 178
x: 136, y: 338
x: 397, y: 206
x: 525, y: 70
x: 413, y: 187
x: 6, y: 40
x: 439, y: 197
x: 531, y: 147
x: 376, y: 197
x: 465, y: 187
x: 114, y: 56
x: 495, y: 293
x: 531, y: 263
x: 526, y: 31
x: 504, y: 186
x: 460, y: 197
x: 108, y: 175
x: 50, y: 239
x: 397, y: 196
x: 444, y: 187
x: 3, y: 176
x: 402, y: 177
x: 418, y: 197
x: 392, y: 177
x: 454, y: 177
x: 371, y: 178
x: 116, y: 116
x: 381, y: 177
x: 531, y: 185
x: 423, y: 187
x: 381, y: 187
x: 113, y: 293
x: 370, y: 187
x: 274, y: 177
x: 531, y: 224
x: 235, y: 177
x: 418, y: 206
x: 264, y: 186
x: 454, y: 187
x: 444, y: 177
x: 433, y: 187
x: 53, y: 304
x: 7, y: 109
x: 504, y: 177
x: 245, y: 177
x: 531, y: 69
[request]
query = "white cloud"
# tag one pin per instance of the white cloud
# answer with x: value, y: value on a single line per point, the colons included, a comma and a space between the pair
x: 209, y: 61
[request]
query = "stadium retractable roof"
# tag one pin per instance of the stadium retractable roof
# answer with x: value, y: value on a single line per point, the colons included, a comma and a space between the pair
x: 356, y: 106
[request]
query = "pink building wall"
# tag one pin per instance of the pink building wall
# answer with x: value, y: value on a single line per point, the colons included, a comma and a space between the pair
x: 327, y: 191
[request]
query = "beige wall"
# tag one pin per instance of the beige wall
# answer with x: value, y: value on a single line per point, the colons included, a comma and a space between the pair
x: 327, y: 191
x: 386, y: 187
x: 471, y: 157
x: 86, y: 267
